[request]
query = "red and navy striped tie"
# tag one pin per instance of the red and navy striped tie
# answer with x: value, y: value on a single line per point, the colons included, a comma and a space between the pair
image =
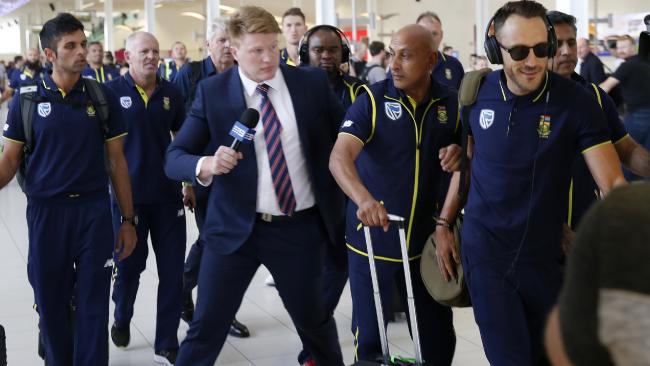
x: 279, y: 170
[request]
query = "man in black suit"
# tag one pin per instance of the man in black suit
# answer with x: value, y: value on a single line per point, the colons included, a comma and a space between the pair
x: 273, y: 202
x: 591, y: 68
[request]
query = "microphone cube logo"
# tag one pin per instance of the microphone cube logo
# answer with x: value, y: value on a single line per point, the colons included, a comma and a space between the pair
x: 241, y: 132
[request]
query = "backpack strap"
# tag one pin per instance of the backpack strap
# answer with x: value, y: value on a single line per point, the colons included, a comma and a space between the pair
x: 98, y: 99
x: 28, y: 100
x: 467, y: 94
x: 366, y: 71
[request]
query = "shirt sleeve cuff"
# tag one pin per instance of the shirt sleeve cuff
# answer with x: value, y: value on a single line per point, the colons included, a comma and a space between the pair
x: 198, y: 171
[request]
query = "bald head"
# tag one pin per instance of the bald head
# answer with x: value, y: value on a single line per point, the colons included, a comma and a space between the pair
x: 416, y: 36
x: 583, y: 47
x: 412, y: 57
x: 142, y: 54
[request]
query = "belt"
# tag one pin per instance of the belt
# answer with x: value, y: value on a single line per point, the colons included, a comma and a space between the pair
x: 296, y: 215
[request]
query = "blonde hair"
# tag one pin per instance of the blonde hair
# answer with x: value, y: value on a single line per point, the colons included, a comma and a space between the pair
x: 251, y: 19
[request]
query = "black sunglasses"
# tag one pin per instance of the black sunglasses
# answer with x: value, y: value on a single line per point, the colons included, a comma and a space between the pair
x: 520, y: 52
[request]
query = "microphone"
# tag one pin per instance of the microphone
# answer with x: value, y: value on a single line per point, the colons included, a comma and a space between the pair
x: 242, y: 130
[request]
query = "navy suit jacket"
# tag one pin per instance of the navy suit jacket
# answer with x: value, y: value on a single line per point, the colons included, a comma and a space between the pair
x: 231, y: 206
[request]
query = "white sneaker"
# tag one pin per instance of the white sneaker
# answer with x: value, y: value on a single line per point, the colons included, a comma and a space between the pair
x: 269, y: 281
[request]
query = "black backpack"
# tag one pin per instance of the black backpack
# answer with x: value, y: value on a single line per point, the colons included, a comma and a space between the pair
x: 29, y: 99
x: 366, y: 71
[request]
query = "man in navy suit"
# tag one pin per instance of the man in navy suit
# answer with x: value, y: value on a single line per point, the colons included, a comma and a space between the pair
x: 273, y: 202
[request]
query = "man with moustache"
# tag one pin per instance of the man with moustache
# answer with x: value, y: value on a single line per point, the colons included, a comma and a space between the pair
x: 584, y: 190
x: 383, y: 169
x: 196, y: 197
x: 71, y: 241
x: 154, y: 110
x: 525, y: 126
x: 273, y: 202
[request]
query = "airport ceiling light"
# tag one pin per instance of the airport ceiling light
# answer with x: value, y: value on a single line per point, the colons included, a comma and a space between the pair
x: 7, y: 6
x: 193, y: 14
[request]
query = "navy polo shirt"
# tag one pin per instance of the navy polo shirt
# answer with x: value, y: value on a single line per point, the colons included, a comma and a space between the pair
x: 584, y: 191
x: 149, y: 122
x: 399, y: 162
x: 168, y: 70
x: 347, y: 89
x: 285, y: 59
x: 182, y: 79
x: 68, y: 141
x: 25, y: 76
x: 448, y: 71
x: 103, y: 75
x: 524, y: 150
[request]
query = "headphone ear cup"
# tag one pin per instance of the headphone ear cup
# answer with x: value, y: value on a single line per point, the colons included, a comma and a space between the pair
x: 492, y: 50
x: 345, y: 53
x: 303, y: 53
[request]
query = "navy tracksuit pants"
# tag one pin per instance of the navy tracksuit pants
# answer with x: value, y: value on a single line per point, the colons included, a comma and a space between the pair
x: 68, y: 237
x: 511, y: 306
x: 435, y: 321
x: 193, y: 261
x: 165, y: 222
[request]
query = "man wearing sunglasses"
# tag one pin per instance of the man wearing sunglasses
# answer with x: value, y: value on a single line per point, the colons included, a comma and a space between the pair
x: 633, y: 156
x: 525, y: 123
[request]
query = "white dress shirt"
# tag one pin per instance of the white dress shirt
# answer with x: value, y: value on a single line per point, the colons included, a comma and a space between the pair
x: 279, y: 96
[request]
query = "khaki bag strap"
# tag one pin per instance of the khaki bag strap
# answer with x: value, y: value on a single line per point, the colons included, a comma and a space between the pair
x: 467, y: 94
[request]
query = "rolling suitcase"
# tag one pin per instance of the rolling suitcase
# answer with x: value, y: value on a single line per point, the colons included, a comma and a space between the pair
x: 385, y: 359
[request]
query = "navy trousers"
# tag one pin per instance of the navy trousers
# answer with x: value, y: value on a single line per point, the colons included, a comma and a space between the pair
x: 68, y: 237
x: 335, y: 276
x: 435, y: 321
x: 290, y: 249
x: 165, y: 222
x: 511, y: 306
x: 193, y: 261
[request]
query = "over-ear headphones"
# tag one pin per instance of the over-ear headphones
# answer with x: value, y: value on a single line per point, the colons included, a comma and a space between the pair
x: 493, y: 49
x: 303, y: 47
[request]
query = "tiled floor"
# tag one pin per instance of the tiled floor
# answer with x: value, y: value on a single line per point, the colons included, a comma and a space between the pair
x: 274, y: 341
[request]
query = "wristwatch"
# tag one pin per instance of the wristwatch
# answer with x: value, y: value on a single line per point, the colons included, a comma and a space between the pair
x: 133, y: 220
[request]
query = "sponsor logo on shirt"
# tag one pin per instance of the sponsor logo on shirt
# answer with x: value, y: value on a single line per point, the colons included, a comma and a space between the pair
x: 448, y: 74
x: 486, y: 119
x: 109, y: 263
x: 393, y: 110
x: 44, y: 109
x: 347, y: 124
x: 90, y: 110
x: 6, y: 127
x: 166, y: 103
x: 126, y: 102
x: 544, y: 128
x: 442, y: 114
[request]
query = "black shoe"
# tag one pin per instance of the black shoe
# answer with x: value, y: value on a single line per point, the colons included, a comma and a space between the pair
x: 121, y: 334
x: 3, y: 347
x: 187, y: 313
x: 166, y: 357
x: 239, y: 330
x: 41, y: 347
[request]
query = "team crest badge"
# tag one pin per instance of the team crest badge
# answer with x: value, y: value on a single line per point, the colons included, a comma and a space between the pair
x: 393, y: 110
x: 442, y: 114
x: 23, y: 77
x: 44, y: 109
x: 90, y: 110
x: 544, y: 128
x: 166, y: 104
x: 448, y: 74
x: 126, y: 102
x: 486, y: 119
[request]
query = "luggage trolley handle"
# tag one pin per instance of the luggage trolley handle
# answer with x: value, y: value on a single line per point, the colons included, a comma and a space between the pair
x: 399, y: 221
